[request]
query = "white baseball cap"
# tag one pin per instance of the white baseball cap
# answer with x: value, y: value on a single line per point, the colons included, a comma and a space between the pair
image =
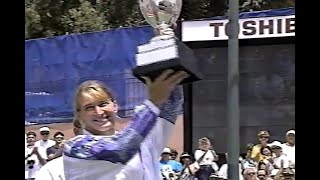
x: 166, y: 150
x: 276, y: 143
x: 44, y: 129
x: 290, y: 132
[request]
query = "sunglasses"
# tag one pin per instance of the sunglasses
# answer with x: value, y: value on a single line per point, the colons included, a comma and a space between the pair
x: 264, y: 137
x: 262, y: 175
x: 251, y: 174
x: 44, y: 133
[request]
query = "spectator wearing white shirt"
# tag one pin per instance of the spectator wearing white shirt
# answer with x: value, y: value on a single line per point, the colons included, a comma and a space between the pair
x: 35, y: 157
x: 223, y: 171
x: 206, y: 157
x: 288, y: 148
x: 45, y: 142
x: 278, y: 155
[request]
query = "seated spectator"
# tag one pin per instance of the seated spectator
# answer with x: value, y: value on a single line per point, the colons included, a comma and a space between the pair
x: 263, y: 138
x: 189, y: 168
x: 45, y: 142
x: 207, y: 158
x: 168, y: 167
x: 57, y: 149
x: 35, y: 157
x: 223, y: 171
x: 268, y: 160
x: 250, y: 173
x: 288, y: 148
x: 279, y: 157
x: 263, y: 175
x: 248, y: 162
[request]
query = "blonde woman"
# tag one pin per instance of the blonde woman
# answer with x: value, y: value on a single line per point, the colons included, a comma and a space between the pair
x: 206, y: 158
x: 133, y: 153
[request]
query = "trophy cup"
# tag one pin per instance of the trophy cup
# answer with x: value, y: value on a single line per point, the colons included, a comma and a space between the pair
x: 164, y: 51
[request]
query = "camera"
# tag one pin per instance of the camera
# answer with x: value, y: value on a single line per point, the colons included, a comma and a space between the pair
x: 30, y: 163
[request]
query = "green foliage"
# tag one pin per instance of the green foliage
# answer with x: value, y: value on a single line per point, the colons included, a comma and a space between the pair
x: 45, y: 18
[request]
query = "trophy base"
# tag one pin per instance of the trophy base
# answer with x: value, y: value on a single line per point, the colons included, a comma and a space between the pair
x: 163, y: 54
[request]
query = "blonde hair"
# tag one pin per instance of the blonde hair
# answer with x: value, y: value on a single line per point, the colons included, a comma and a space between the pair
x: 90, y: 89
x: 76, y: 123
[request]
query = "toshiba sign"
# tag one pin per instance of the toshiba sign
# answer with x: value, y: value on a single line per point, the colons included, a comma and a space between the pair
x: 208, y: 30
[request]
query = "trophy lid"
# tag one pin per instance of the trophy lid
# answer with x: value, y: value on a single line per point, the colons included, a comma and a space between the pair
x: 158, y: 12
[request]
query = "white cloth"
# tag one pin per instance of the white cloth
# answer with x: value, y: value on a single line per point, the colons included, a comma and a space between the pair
x: 140, y: 167
x: 45, y: 144
x: 52, y: 170
x: 277, y: 161
x: 223, y: 172
x: 32, y: 173
x: 290, y: 151
x: 208, y: 159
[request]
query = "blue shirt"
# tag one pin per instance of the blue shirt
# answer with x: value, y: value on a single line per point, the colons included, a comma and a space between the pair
x: 171, y: 165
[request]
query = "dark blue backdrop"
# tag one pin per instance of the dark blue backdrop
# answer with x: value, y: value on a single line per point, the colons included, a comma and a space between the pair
x: 55, y: 66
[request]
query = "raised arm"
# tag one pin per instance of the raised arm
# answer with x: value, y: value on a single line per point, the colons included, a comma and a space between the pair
x: 123, y: 146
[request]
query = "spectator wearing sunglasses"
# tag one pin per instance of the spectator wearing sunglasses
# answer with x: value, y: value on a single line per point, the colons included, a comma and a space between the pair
x: 45, y: 142
x: 250, y: 173
x: 57, y: 149
x: 280, y: 159
x: 263, y: 139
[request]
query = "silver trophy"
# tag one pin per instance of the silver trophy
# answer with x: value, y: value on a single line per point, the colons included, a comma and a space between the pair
x: 164, y: 51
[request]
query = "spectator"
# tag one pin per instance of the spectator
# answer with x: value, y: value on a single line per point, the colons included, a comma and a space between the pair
x: 248, y: 162
x: 268, y: 159
x: 174, y: 154
x: 189, y: 167
x: 57, y: 149
x: 35, y: 157
x: 206, y: 157
x: 279, y: 157
x: 250, y: 173
x: 168, y: 167
x: 45, y: 142
x: 263, y: 138
x: 288, y: 148
x: 223, y: 171
x: 54, y: 169
x: 262, y: 174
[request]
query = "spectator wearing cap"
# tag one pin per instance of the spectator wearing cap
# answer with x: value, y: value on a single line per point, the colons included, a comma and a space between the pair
x: 189, y: 167
x: 280, y: 160
x: 207, y: 158
x: 54, y: 169
x: 168, y: 167
x: 45, y: 142
x: 263, y: 139
x: 288, y: 148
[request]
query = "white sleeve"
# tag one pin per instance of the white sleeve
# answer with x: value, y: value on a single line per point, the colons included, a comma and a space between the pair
x: 42, y: 152
x: 223, y: 171
x: 198, y: 154
x: 158, y: 137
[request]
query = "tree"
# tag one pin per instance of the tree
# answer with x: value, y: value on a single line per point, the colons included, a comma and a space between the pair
x: 83, y: 19
x: 45, y: 18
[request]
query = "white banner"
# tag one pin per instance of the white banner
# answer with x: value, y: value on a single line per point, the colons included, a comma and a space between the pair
x: 208, y: 30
